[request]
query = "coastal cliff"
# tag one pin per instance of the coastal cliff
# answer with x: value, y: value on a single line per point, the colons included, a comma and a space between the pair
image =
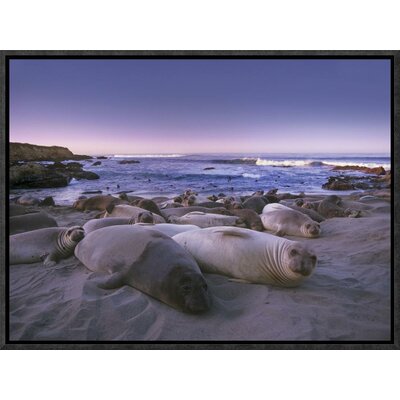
x: 32, y: 152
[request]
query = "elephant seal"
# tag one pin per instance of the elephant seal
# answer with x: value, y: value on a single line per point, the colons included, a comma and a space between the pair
x: 28, y: 200
x: 256, y: 203
x: 251, y: 219
x: 50, y: 244
x: 210, y: 204
x: 205, y: 220
x: 128, y: 198
x: 330, y: 207
x: 99, y: 203
x: 127, y: 211
x: 148, y: 205
x: 16, y: 209
x: 285, y: 221
x: 155, y: 265
x: 249, y: 256
x: 30, y: 222
x: 169, y: 229
x: 180, y: 211
x: 94, y: 224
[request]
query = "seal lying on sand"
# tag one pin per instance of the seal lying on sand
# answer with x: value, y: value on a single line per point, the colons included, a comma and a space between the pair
x: 150, y: 262
x: 307, y: 211
x: 16, y: 209
x: 256, y: 203
x: 50, y: 244
x: 205, y: 220
x: 251, y: 219
x: 148, y: 205
x: 283, y: 220
x: 179, y: 212
x: 99, y: 203
x: 249, y: 256
x: 127, y: 211
x: 30, y: 222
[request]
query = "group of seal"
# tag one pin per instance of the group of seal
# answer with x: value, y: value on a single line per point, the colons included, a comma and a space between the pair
x: 163, y: 250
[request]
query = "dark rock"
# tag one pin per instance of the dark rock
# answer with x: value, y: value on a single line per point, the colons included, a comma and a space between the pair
x: 208, y: 168
x: 48, y: 201
x: 102, y: 158
x: 128, y: 162
x: 96, y: 163
x: 377, y: 170
x: 93, y: 192
x: 335, y: 183
x: 74, y: 166
x: 84, y: 175
x: 32, y: 175
x: 57, y: 165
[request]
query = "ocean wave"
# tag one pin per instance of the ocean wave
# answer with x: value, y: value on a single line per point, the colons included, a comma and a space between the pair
x: 254, y: 176
x: 289, y: 163
x: 357, y: 164
x: 147, y: 155
x: 245, y: 160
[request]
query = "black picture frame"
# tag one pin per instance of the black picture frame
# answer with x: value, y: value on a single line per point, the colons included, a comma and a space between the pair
x: 394, y: 56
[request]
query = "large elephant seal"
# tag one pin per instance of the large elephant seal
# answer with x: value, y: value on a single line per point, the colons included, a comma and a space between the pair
x: 50, y: 244
x: 30, y: 222
x: 283, y: 220
x: 206, y: 220
x: 251, y: 219
x: 137, y: 213
x: 150, y: 262
x: 249, y: 256
x: 314, y: 215
x: 179, y: 212
x: 99, y: 203
x: 94, y: 224
x: 169, y: 229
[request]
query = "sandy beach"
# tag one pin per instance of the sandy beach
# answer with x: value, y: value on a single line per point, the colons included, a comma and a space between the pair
x: 347, y: 297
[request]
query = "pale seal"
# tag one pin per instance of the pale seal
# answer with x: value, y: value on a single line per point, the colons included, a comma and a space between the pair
x: 50, y: 244
x: 30, y: 222
x: 94, y: 224
x: 206, y: 220
x: 249, y: 256
x: 150, y: 262
x: 180, y: 211
x: 283, y: 220
x: 99, y: 203
x: 127, y: 211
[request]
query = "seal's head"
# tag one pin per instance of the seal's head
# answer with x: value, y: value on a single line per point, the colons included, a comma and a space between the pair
x: 79, y: 204
x: 311, y: 229
x: 146, y: 216
x: 257, y: 225
x: 188, y: 290
x: 300, y: 260
x: 76, y: 233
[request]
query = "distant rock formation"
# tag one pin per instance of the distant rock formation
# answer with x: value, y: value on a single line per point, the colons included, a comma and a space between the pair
x: 128, y: 162
x: 32, y: 152
x: 366, y: 170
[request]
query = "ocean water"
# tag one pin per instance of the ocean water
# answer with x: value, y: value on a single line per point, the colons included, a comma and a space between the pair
x: 171, y: 174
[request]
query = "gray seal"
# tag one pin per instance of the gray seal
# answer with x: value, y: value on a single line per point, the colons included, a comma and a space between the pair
x: 149, y: 261
x: 48, y: 244
x: 30, y: 222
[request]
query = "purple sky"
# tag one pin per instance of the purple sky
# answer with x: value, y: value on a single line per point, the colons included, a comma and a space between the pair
x: 194, y: 106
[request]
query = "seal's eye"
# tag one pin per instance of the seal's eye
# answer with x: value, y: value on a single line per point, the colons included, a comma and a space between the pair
x: 308, y: 226
x: 293, y: 252
x: 313, y: 258
x: 186, y: 289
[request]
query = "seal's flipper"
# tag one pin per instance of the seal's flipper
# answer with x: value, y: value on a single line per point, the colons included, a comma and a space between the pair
x: 239, y: 280
x: 279, y: 232
x: 113, y: 281
x: 51, y: 260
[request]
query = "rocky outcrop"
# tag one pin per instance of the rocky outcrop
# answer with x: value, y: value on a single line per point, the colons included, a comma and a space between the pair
x: 128, y: 162
x: 32, y: 175
x: 366, y: 170
x: 32, y: 152
x: 35, y: 175
x: 357, y: 182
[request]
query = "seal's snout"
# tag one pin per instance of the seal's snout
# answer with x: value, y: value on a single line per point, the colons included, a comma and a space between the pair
x: 198, y: 299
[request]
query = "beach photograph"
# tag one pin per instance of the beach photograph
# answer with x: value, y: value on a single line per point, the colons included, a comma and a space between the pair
x: 199, y: 199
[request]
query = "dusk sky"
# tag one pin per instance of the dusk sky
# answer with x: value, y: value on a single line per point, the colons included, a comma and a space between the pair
x: 194, y: 106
